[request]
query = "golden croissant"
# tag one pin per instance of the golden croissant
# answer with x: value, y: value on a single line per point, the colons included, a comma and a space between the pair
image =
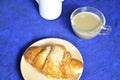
x: 53, y: 61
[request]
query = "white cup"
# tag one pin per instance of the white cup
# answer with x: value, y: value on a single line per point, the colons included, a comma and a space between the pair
x: 50, y: 9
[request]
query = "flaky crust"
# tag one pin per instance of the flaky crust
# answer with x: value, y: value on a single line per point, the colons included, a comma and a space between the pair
x: 53, y: 61
x: 40, y: 59
x: 31, y: 53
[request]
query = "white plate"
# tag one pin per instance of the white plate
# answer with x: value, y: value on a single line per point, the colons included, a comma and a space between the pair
x: 30, y: 73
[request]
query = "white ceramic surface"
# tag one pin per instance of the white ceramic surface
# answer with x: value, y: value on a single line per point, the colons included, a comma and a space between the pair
x: 50, y: 9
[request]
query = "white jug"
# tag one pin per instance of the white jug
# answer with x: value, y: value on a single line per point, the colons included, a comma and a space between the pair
x: 50, y: 9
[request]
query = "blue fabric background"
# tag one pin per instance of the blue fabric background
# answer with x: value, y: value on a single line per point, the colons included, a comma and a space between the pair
x: 21, y: 25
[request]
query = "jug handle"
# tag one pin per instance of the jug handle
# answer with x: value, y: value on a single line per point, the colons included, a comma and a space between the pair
x: 37, y: 1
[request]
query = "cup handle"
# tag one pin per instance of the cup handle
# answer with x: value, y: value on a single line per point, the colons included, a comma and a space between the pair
x: 106, y: 30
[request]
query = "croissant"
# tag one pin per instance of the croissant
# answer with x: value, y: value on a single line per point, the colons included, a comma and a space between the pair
x: 53, y: 61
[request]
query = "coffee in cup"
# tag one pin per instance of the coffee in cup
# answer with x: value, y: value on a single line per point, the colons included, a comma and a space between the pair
x: 87, y: 22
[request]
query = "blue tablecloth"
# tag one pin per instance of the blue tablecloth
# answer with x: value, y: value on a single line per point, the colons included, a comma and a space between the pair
x: 21, y: 25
